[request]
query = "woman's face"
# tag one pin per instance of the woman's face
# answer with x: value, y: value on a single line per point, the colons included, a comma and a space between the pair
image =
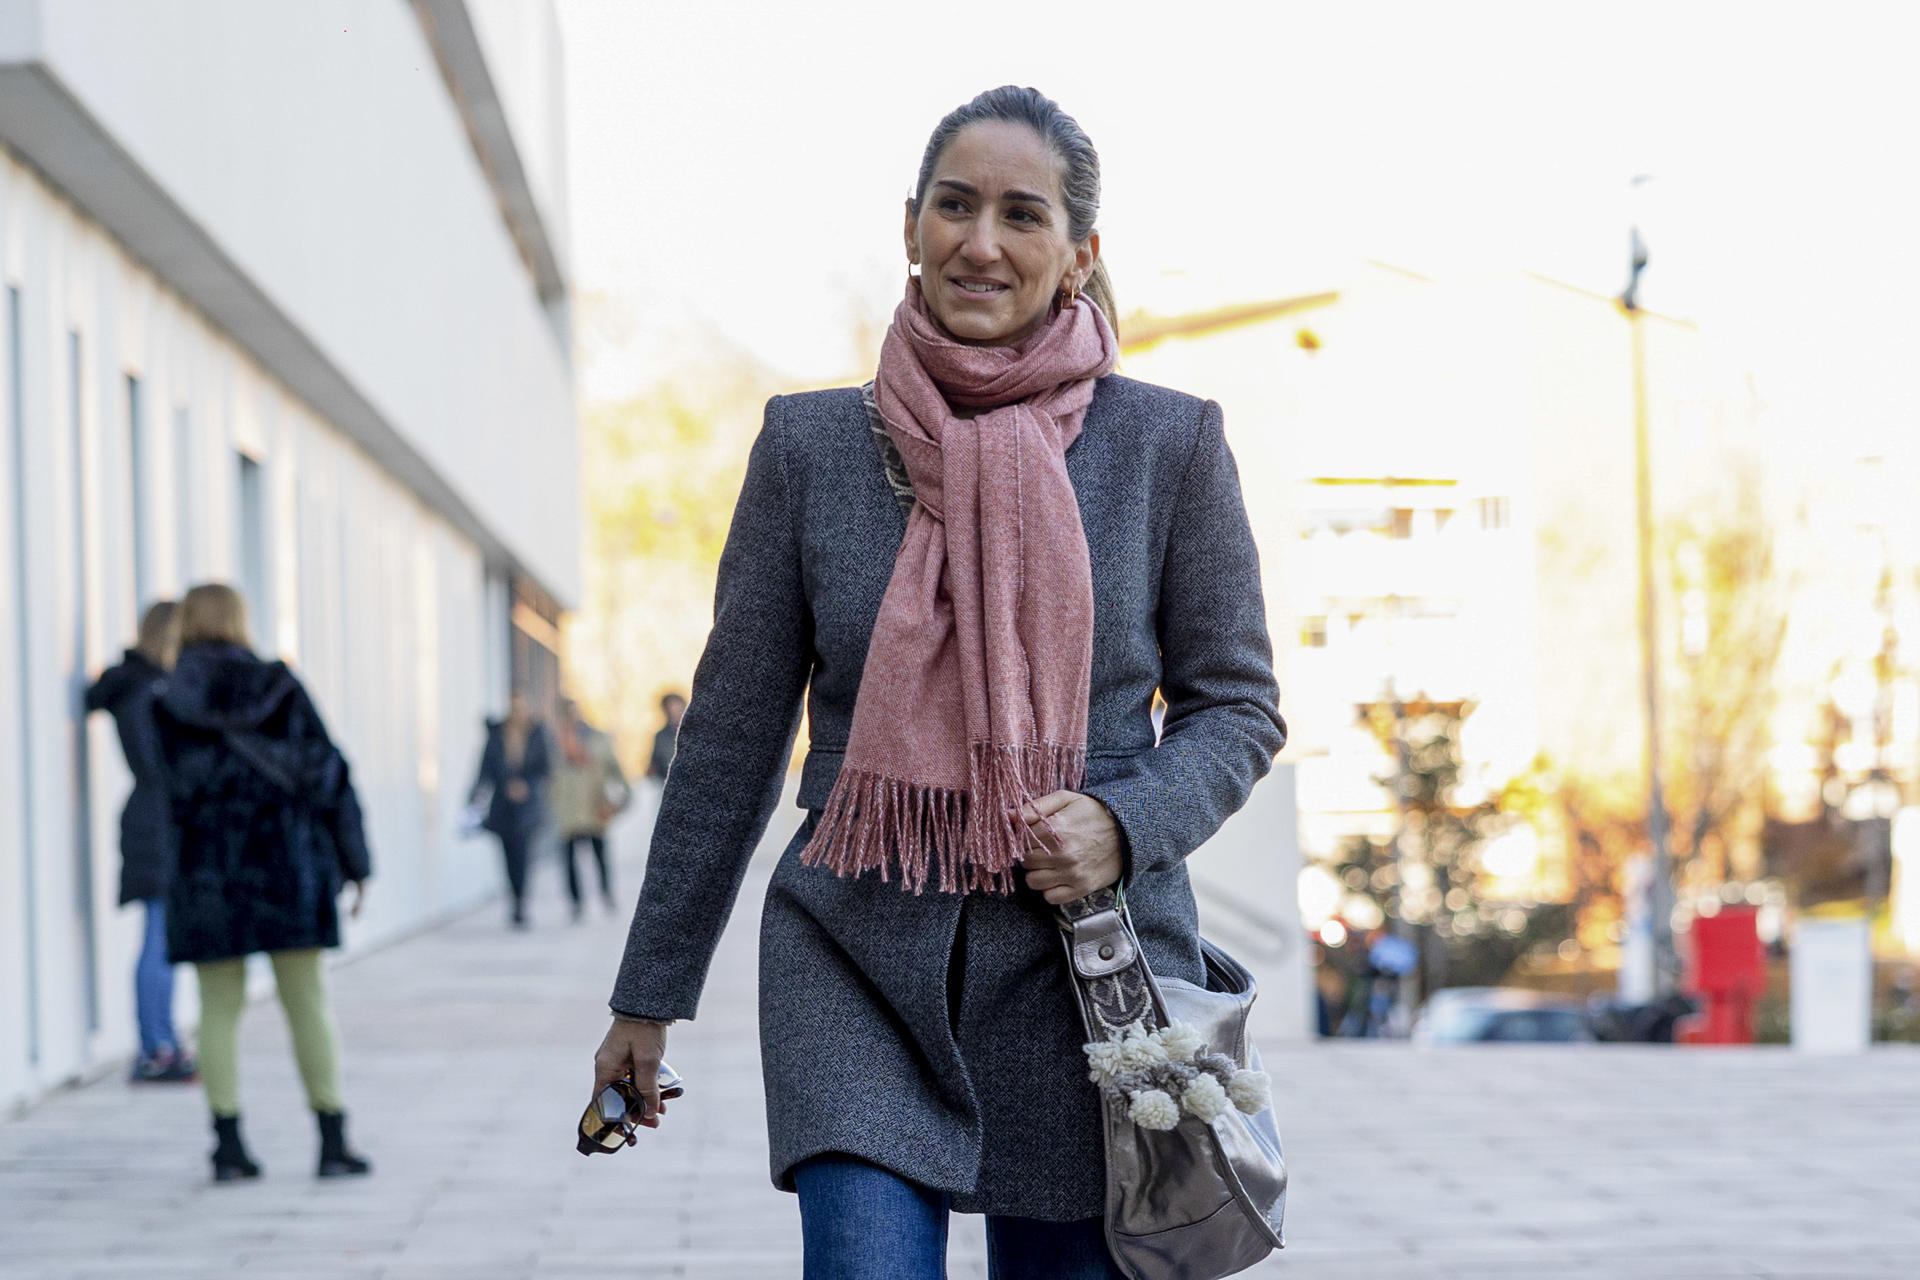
x: 991, y: 235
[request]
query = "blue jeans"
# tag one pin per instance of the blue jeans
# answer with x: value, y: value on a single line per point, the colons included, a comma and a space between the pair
x: 860, y: 1222
x: 153, y: 984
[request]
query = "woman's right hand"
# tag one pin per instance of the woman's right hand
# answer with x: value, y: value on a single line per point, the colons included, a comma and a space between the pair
x: 634, y: 1050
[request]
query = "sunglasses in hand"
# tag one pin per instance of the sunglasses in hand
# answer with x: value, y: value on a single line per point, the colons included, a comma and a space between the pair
x: 608, y: 1122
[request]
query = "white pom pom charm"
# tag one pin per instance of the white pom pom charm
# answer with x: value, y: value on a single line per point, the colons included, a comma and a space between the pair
x: 1153, y: 1109
x: 1205, y: 1098
x: 1251, y: 1091
x: 1142, y: 1050
x: 1105, y: 1060
x: 1182, y: 1042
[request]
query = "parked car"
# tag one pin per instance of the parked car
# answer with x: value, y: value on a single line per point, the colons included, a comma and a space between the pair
x: 1655, y: 1022
x: 1474, y: 1015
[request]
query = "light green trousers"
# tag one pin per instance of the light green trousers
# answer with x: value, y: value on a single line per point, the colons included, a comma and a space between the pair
x: 301, y: 980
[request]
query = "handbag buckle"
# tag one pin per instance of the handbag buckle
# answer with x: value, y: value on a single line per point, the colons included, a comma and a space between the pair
x: 1101, y: 943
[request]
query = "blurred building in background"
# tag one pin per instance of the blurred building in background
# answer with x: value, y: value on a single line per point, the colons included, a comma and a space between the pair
x: 284, y: 302
x: 1441, y: 478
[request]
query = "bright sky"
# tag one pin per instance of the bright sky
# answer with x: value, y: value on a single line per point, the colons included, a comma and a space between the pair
x: 738, y: 168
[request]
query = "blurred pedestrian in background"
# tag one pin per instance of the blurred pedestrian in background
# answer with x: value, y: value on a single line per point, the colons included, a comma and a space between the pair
x: 513, y: 768
x: 673, y: 706
x: 588, y: 789
x: 978, y: 569
x: 269, y: 833
x: 126, y: 691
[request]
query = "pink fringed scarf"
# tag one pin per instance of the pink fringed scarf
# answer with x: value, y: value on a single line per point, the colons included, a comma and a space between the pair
x: 974, y: 695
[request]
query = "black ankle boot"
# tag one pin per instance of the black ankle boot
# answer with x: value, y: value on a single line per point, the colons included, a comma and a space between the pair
x: 230, y: 1159
x: 335, y: 1160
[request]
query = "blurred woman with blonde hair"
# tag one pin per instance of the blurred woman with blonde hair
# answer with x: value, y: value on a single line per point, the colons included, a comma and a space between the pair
x: 126, y: 691
x: 509, y: 787
x: 269, y: 832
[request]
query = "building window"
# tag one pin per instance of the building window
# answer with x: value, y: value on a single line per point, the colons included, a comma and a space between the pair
x: 140, y: 507
x: 23, y: 671
x: 1402, y: 526
x: 1313, y: 633
x: 251, y: 553
x: 77, y: 682
x: 183, y: 488
x: 1495, y: 513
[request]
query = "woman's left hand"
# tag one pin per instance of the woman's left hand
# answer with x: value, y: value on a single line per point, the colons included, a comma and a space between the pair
x: 1073, y: 846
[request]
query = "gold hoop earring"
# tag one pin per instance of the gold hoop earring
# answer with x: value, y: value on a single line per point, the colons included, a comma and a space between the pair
x: 1069, y: 294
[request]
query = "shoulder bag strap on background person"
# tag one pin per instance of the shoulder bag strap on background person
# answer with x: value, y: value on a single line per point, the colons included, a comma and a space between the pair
x: 248, y: 747
x: 341, y: 823
x: 1202, y: 1199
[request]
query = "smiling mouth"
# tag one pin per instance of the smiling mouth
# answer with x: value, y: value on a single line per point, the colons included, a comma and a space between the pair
x: 980, y: 288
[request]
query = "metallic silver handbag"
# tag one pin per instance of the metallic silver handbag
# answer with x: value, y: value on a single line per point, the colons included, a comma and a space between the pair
x: 1202, y: 1199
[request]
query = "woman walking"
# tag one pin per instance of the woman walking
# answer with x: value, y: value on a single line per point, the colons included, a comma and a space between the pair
x: 513, y: 766
x: 269, y: 833
x: 979, y: 569
x: 125, y: 691
x: 588, y: 789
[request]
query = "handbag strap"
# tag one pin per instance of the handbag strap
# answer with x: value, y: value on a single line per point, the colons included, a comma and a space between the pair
x: 1111, y: 981
x: 244, y: 746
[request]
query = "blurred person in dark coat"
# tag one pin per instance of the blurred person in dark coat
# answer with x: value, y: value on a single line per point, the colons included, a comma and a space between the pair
x: 126, y: 691
x: 587, y: 790
x: 673, y: 706
x: 269, y: 832
x: 513, y: 767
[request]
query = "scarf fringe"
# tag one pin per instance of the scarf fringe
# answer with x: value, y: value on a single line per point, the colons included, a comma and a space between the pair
x: 876, y: 823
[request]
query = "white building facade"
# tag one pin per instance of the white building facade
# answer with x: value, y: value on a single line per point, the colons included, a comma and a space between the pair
x: 283, y: 303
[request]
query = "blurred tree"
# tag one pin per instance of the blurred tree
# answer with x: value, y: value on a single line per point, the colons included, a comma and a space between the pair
x: 661, y: 471
x: 1604, y: 824
x: 1725, y: 614
x: 1721, y: 695
x: 1429, y: 878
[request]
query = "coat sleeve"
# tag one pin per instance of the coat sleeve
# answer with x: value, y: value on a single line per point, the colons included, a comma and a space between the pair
x: 537, y: 764
x: 487, y: 775
x: 661, y: 757
x: 733, y: 746
x: 350, y: 834
x: 330, y: 782
x: 1223, y: 726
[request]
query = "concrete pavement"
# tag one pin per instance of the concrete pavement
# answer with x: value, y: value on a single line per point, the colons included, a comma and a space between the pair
x: 467, y: 1061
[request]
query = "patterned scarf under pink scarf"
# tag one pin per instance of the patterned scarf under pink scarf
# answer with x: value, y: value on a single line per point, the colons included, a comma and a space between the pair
x: 974, y: 695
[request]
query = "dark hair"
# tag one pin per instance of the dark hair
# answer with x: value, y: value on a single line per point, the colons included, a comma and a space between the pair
x: 1079, y: 165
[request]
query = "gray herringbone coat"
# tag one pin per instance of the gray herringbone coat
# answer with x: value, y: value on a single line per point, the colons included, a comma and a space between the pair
x: 936, y: 1035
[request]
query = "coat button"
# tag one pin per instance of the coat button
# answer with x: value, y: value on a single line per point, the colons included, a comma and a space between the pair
x: 1106, y: 951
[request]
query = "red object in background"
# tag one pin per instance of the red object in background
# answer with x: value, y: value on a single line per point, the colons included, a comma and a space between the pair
x: 1728, y: 972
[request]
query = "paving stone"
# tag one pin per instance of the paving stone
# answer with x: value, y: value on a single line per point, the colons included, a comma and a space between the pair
x: 467, y: 1052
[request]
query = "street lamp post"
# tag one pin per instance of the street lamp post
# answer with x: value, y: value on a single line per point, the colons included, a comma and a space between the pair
x: 1660, y: 893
